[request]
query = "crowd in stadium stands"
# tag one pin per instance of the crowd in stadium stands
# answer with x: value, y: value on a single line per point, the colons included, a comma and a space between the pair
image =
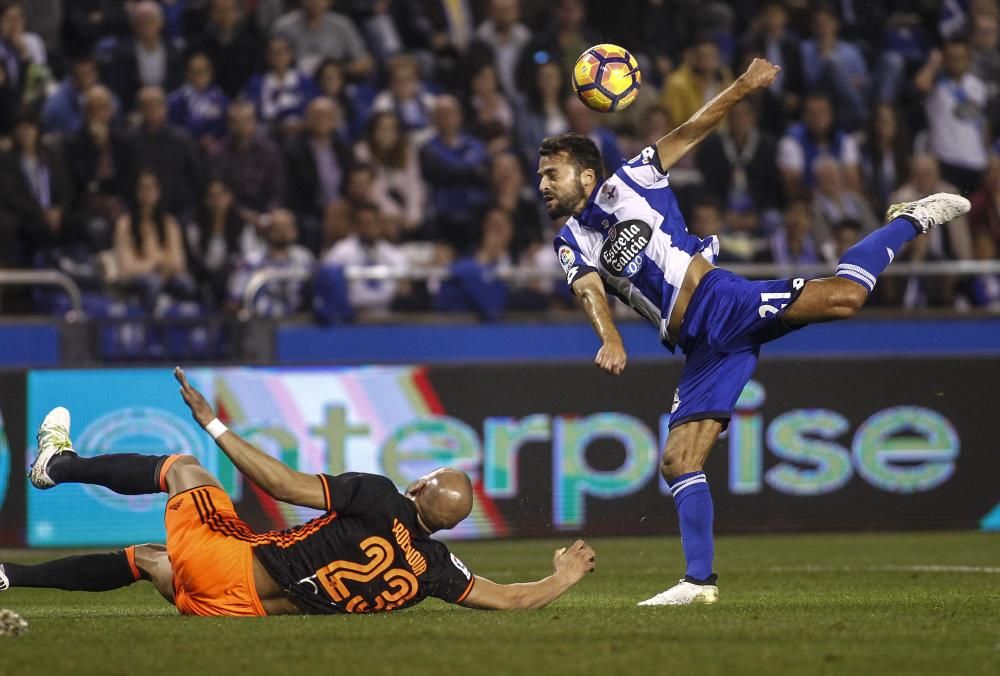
x: 161, y: 153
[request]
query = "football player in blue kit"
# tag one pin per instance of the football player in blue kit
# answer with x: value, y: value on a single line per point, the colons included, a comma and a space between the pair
x: 625, y: 235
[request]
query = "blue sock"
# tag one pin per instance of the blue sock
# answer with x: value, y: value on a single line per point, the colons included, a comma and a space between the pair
x: 866, y: 260
x: 695, y: 511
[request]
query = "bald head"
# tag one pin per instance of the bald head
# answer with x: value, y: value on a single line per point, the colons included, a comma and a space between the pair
x: 443, y: 498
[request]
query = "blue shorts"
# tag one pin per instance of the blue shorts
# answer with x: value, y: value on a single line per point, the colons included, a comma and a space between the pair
x: 726, y: 322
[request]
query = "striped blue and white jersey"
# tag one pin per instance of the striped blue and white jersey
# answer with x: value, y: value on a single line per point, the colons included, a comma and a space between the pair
x: 633, y: 235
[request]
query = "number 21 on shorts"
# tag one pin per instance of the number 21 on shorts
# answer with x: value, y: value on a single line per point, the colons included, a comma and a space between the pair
x: 767, y: 300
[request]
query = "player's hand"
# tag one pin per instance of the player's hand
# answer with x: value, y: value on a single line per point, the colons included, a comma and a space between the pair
x: 575, y: 561
x: 611, y: 357
x: 760, y: 74
x: 201, y: 411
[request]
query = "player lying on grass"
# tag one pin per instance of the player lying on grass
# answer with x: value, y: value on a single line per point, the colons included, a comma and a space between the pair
x: 626, y: 235
x: 370, y: 551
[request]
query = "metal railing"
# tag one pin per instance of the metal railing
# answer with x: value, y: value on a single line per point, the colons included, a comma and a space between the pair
x: 528, y: 274
x: 19, y: 277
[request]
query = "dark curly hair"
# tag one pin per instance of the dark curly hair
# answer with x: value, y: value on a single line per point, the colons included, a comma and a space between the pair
x: 581, y: 150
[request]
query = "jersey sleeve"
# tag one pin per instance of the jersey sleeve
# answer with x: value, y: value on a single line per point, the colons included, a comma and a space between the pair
x: 645, y: 170
x: 355, y: 492
x: 449, y: 579
x: 572, y: 259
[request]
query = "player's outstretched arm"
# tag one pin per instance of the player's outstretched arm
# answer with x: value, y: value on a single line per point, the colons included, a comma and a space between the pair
x: 277, y: 479
x: 590, y: 290
x: 571, y: 564
x: 675, y: 145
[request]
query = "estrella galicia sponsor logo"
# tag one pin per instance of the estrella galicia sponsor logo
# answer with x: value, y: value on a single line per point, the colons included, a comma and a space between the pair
x: 621, y: 251
x: 566, y: 257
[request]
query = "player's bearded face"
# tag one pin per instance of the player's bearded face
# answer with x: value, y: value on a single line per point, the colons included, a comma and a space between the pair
x: 563, y: 197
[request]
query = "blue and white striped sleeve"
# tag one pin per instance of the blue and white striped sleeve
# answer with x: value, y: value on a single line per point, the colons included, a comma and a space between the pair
x: 572, y: 259
x: 645, y: 171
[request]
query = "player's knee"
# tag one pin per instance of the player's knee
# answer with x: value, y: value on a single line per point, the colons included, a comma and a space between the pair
x: 675, y: 463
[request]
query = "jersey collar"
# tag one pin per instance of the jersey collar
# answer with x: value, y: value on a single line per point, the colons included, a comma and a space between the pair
x: 592, y: 215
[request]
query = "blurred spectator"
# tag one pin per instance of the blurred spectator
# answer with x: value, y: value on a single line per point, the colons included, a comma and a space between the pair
x: 282, y: 92
x: 232, y: 43
x: 45, y: 18
x: 846, y: 234
x: 366, y: 247
x: 169, y: 152
x: 741, y: 239
x: 838, y: 67
x: 330, y: 83
x: 20, y: 48
x: 811, y: 139
x: 88, y: 21
x: 985, y: 214
x: 199, y: 107
x: 955, y: 106
x: 10, y: 106
x: 62, y: 112
x: 249, y: 164
x: 540, y: 113
x: 706, y: 218
x: 280, y: 298
x: 982, y: 291
x: 738, y: 161
x: 474, y: 285
x: 316, y: 33
x: 36, y: 191
x: 456, y: 167
x: 696, y: 82
x: 218, y: 238
x: 399, y: 187
x: 561, y: 42
x: 358, y: 188
x: 144, y: 58
x: 505, y: 36
x: 489, y: 110
x: 953, y: 242
x: 984, y: 45
x: 101, y: 162
x: 771, y: 38
x: 316, y: 163
x: 795, y: 242
x: 886, y: 155
x: 407, y: 96
x: 833, y: 201
x: 584, y: 121
x: 519, y: 200
x: 149, y: 248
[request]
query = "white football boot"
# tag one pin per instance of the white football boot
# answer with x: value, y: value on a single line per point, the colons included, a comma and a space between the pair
x: 933, y: 210
x: 685, y: 593
x: 53, y: 439
x: 4, y: 582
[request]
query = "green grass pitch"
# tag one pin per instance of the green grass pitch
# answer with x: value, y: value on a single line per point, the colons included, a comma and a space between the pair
x: 803, y: 604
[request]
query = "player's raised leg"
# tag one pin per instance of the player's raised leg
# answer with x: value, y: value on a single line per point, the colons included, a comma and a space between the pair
x: 125, y: 473
x: 683, y: 459
x: 840, y: 297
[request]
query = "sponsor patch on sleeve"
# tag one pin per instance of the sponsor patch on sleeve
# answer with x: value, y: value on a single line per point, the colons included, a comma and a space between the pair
x: 566, y: 257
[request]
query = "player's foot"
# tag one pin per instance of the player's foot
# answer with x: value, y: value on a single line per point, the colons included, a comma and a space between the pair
x: 4, y: 582
x: 53, y: 439
x: 685, y: 593
x: 936, y: 209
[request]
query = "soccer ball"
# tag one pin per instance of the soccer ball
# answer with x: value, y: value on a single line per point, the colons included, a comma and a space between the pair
x: 607, y: 78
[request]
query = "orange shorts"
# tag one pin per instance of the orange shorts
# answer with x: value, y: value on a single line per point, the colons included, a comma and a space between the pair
x: 211, y: 559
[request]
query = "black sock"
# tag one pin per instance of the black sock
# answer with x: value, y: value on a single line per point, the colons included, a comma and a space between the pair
x: 89, y: 572
x: 125, y: 473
